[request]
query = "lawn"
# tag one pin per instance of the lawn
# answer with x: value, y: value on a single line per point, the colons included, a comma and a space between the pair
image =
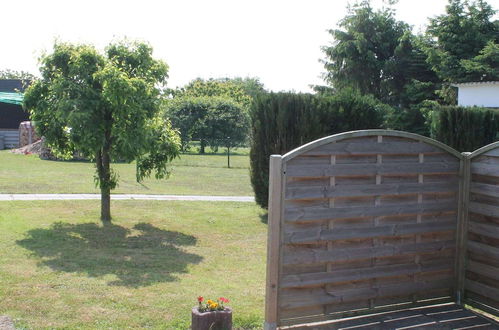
x: 59, y: 268
x: 192, y: 174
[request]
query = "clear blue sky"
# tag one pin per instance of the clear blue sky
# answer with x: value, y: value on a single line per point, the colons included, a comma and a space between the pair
x: 276, y: 40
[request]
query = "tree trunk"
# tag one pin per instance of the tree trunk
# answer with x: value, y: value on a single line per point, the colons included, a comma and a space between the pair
x: 104, y: 172
x: 203, y: 144
x: 228, y: 157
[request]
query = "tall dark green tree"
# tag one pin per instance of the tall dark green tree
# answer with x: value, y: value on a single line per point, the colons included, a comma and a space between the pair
x: 363, y: 50
x: 106, y: 106
x: 464, y: 34
x: 376, y: 54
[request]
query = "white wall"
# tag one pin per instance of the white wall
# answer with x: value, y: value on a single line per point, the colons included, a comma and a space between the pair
x: 481, y: 95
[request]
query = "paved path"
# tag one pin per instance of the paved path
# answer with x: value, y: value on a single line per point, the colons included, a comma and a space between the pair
x: 49, y: 197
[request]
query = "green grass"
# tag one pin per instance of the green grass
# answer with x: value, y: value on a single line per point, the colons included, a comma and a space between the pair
x: 192, y: 174
x: 59, y: 268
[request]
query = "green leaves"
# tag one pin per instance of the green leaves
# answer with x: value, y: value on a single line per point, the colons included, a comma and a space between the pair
x: 105, y: 106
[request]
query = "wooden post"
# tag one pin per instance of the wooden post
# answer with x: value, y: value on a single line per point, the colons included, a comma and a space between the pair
x: 273, y: 243
x: 462, y: 227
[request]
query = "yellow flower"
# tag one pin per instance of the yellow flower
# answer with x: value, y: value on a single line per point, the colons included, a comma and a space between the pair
x: 209, y: 302
x: 214, y: 305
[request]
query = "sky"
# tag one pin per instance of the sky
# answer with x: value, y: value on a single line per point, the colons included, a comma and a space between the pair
x: 277, y: 41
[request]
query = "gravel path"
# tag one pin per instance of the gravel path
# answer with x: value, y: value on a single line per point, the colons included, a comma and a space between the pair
x: 49, y: 197
x: 6, y: 323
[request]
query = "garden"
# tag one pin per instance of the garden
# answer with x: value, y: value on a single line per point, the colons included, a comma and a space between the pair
x: 355, y: 217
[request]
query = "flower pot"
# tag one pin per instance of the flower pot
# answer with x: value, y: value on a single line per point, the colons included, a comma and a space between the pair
x: 216, y: 320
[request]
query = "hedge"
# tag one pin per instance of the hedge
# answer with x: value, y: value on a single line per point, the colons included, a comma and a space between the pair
x: 464, y: 128
x: 283, y: 121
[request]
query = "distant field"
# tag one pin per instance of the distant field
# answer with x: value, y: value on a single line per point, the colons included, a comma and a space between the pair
x: 192, y: 174
x: 59, y: 268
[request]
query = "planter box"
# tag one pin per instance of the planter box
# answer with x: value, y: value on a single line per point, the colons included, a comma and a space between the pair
x: 217, y: 320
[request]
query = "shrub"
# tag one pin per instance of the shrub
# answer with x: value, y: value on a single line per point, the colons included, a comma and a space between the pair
x: 464, y: 128
x: 281, y: 122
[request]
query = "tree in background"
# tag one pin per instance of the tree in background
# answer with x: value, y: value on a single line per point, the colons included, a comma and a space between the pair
x: 191, y: 105
x: 462, y: 45
x: 375, y: 54
x: 216, y: 121
x: 105, y: 106
x: 228, y: 125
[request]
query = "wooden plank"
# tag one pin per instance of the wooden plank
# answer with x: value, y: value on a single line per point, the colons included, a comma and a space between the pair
x: 485, y: 189
x: 483, y: 269
x: 493, y: 152
x: 482, y: 289
x: 484, y: 169
x: 301, y: 280
x: 371, y: 169
x: 372, y: 148
x: 484, y: 209
x: 484, y: 250
x: 322, y: 235
x: 273, y: 243
x: 321, y: 213
x: 461, y: 227
x: 308, y: 298
x: 484, y: 229
x: 313, y: 256
x: 370, y: 190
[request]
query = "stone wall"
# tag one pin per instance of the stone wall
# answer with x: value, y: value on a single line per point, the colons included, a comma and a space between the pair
x: 27, y: 134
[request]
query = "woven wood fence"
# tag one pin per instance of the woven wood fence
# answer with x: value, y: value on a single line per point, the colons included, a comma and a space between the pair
x: 378, y: 220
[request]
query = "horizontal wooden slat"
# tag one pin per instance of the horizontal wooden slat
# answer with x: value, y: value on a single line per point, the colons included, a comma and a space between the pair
x: 369, y: 190
x: 484, y: 229
x: 484, y: 250
x: 322, y: 213
x: 312, y: 256
x: 483, y: 269
x: 306, y: 299
x: 493, y: 152
x: 372, y: 148
x: 484, y: 209
x: 322, y: 235
x: 485, y: 189
x: 482, y: 289
x: 300, y: 280
x: 484, y: 169
x: 370, y: 169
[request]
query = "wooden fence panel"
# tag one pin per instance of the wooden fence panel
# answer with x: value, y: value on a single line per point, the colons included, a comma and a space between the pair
x: 481, y: 283
x: 369, y: 219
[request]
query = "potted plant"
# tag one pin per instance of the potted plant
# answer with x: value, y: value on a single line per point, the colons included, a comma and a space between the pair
x: 212, y: 315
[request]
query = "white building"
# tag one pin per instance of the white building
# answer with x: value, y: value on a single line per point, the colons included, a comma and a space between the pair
x: 482, y: 94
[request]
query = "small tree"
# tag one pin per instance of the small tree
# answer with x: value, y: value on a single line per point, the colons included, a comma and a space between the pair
x: 106, y: 107
x: 228, y: 123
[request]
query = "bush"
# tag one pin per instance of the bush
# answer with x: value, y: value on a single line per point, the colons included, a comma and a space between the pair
x: 281, y: 122
x: 464, y: 128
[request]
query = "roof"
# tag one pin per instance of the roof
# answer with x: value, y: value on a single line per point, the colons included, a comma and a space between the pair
x: 12, y: 85
x: 12, y: 98
x: 475, y: 83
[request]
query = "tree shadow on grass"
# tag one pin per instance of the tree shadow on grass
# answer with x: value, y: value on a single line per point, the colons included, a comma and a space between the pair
x: 138, y: 257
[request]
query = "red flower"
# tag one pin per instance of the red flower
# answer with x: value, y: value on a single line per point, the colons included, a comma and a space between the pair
x: 200, y: 299
x: 222, y: 299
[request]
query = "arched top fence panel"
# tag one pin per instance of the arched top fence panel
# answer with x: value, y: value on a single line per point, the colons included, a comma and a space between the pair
x: 361, y: 221
x: 319, y: 146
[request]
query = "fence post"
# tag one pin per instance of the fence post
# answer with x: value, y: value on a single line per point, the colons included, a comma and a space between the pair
x: 462, y: 229
x: 273, y: 248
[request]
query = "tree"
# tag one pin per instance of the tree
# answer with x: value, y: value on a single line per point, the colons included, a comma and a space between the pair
x: 457, y: 37
x: 228, y: 123
x: 25, y: 77
x: 217, y: 121
x: 363, y: 49
x: 105, y: 106
x: 190, y: 104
